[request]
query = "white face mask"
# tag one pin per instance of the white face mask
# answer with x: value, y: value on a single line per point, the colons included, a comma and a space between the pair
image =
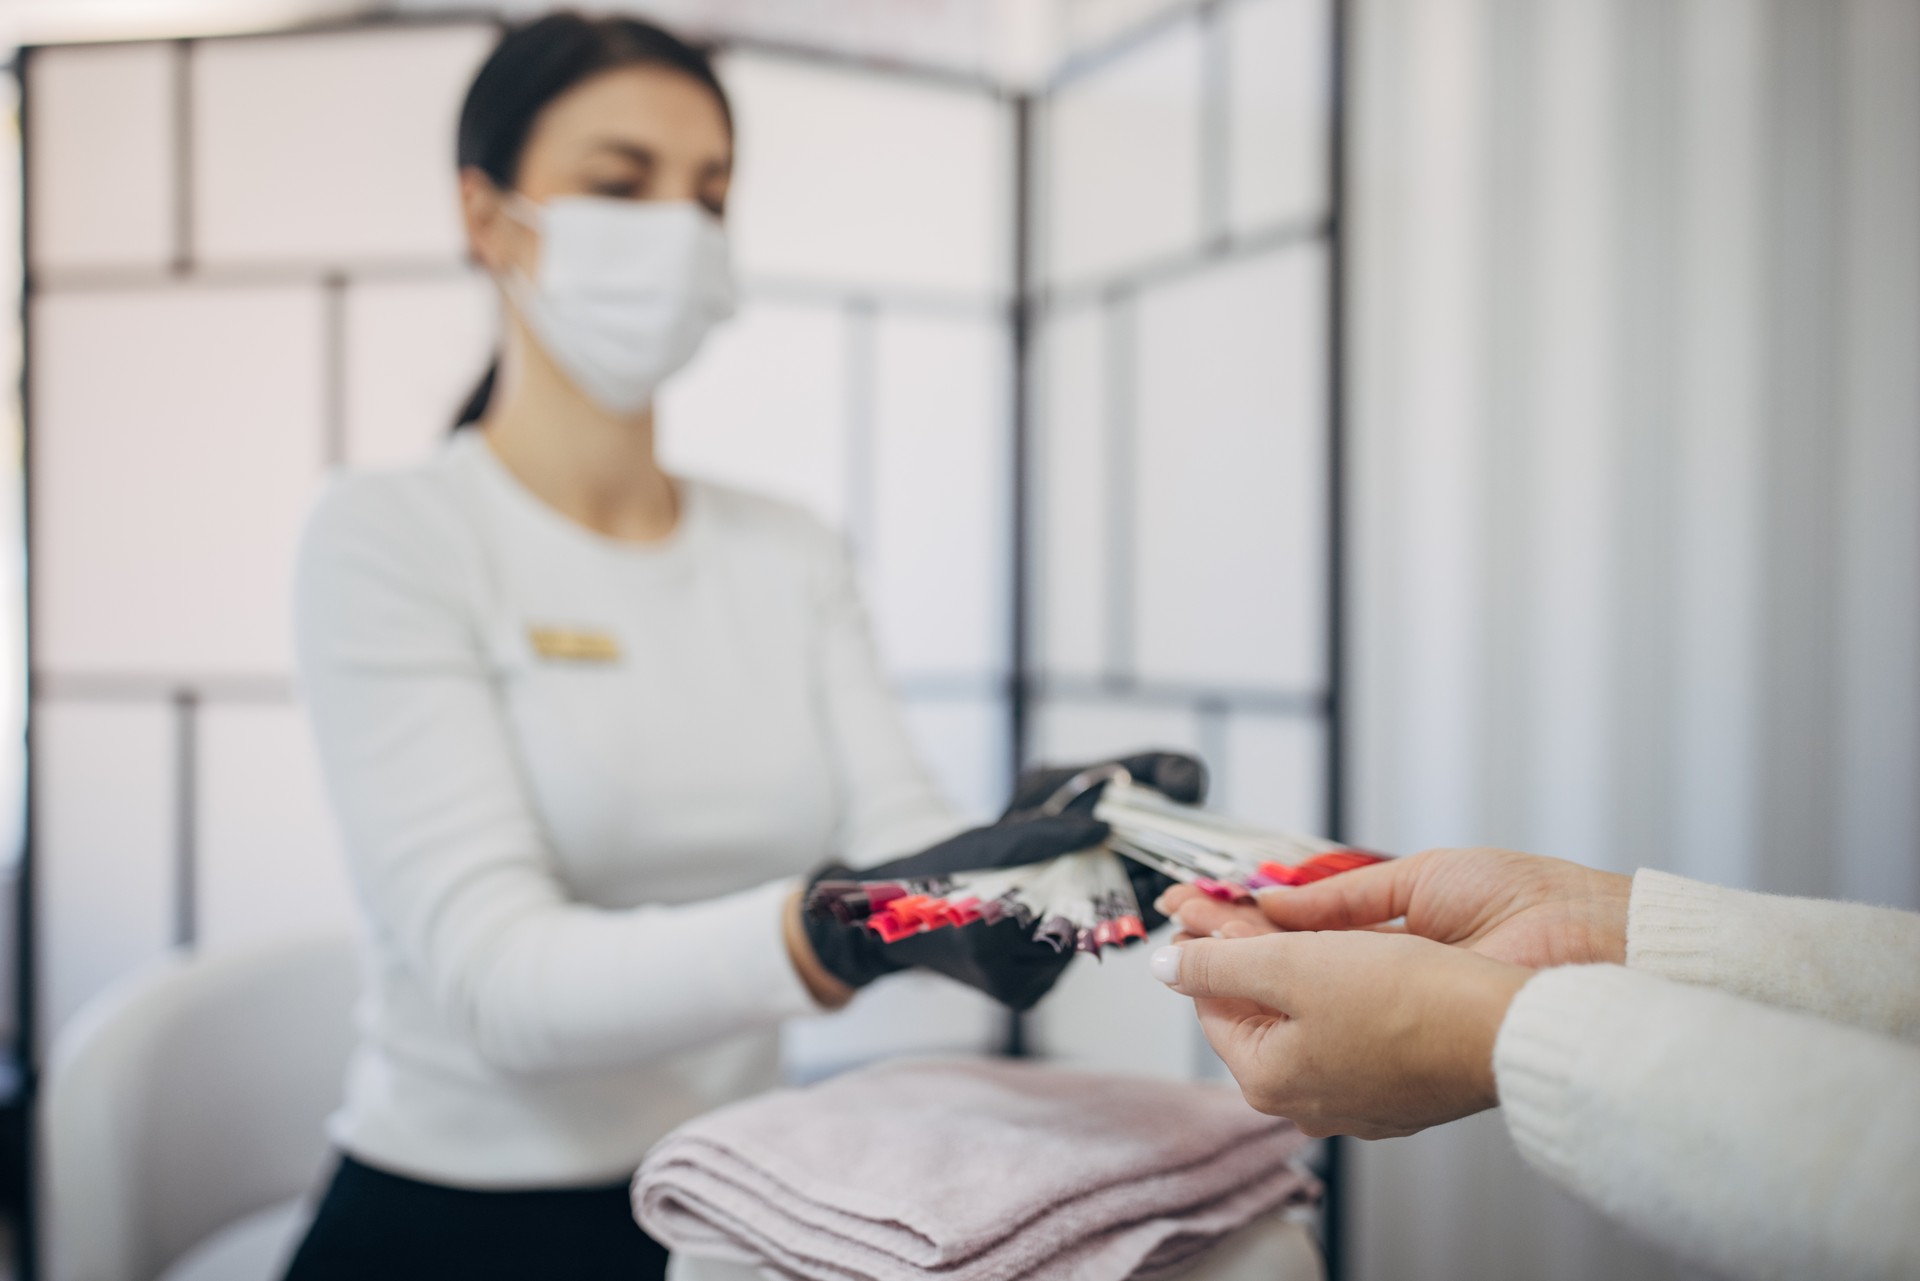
x: 627, y: 290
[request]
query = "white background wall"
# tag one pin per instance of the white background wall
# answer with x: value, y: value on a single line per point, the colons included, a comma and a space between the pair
x: 258, y: 237
x: 1638, y: 440
x: 1636, y: 433
x: 1178, y: 459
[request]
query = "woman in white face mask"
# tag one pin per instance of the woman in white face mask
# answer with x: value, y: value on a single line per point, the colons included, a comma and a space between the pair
x: 588, y: 727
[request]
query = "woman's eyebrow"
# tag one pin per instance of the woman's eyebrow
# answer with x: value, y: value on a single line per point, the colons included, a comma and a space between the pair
x: 633, y: 151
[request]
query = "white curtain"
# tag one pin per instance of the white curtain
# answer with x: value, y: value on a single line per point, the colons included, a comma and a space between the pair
x: 1637, y: 455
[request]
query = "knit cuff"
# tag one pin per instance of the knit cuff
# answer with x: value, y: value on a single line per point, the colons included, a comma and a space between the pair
x: 1673, y: 926
x: 1536, y: 1059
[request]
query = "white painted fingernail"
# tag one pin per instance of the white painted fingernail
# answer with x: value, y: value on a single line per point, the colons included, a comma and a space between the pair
x: 1220, y: 933
x: 1165, y: 965
x: 1160, y: 904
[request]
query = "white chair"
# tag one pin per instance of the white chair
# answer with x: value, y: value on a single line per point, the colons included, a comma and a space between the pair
x: 182, y: 1126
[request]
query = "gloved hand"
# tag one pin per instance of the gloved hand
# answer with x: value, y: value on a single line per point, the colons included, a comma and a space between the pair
x: 1003, y: 959
x: 1177, y: 777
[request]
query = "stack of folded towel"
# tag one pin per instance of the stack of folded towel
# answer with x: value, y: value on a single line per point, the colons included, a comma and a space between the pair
x: 973, y: 1171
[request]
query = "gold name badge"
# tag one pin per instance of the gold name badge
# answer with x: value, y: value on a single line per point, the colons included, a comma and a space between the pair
x: 571, y: 645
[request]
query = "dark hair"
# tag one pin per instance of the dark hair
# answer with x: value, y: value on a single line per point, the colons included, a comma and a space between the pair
x: 536, y: 63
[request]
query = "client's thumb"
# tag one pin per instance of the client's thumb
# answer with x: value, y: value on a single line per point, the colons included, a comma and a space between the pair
x: 1249, y: 969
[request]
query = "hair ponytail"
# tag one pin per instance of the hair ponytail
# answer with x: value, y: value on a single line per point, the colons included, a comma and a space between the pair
x: 479, y: 398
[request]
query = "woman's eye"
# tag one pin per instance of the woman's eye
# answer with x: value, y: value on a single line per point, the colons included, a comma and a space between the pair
x: 718, y: 208
x: 618, y: 190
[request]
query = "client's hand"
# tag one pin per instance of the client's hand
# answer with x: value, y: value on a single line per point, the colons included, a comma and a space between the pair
x: 1003, y: 959
x: 1177, y: 777
x: 1514, y: 907
x: 1374, y: 1035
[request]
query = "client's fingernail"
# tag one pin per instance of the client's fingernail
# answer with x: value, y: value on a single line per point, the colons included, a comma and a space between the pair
x: 1161, y: 906
x: 1165, y: 965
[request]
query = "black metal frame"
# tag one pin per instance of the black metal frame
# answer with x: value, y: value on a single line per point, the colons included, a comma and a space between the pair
x: 18, y: 1156
x: 1335, y: 1224
x: 1115, y: 296
x: 1029, y: 302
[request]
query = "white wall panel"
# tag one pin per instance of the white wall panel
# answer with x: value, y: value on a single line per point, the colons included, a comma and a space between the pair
x: 1279, y: 110
x: 944, y: 35
x: 1123, y: 160
x: 912, y: 1013
x: 177, y: 443
x: 100, y: 142
x: 1273, y: 770
x: 868, y: 180
x: 964, y: 744
x: 270, y: 863
x: 334, y: 148
x: 1072, y: 732
x: 1229, y: 540
x: 764, y: 406
x: 1072, y: 497
x: 415, y: 349
x: 104, y: 847
x: 1111, y: 1015
x: 1085, y: 24
x: 937, y: 568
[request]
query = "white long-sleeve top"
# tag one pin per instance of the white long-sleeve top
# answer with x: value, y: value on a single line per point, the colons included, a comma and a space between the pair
x: 575, y: 779
x: 1745, y: 1091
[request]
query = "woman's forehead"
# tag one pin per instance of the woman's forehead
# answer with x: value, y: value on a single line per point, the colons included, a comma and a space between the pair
x: 656, y: 108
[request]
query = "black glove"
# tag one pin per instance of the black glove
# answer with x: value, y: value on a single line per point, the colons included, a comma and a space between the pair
x: 1003, y: 959
x: 1177, y: 777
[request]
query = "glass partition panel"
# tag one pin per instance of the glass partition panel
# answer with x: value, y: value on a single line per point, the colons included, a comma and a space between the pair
x: 1273, y: 770
x: 105, y: 820
x: 1069, y: 731
x: 168, y: 497
x: 901, y: 1014
x: 270, y: 863
x: 1111, y: 1015
x: 1073, y: 480
x: 764, y: 406
x: 332, y: 148
x: 414, y: 351
x: 1279, y: 100
x: 1229, y: 545
x: 963, y: 742
x: 861, y: 180
x: 1180, y: 475
x: 936, y: 552
x: 100, y: 143
x: 1123, y: 148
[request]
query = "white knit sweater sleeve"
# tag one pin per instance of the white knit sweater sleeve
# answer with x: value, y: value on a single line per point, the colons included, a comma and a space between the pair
x: 1844, y: 961
x: 449, y: 861
x: 1761, y: 1142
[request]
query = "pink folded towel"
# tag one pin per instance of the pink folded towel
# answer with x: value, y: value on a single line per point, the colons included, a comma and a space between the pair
x: 973, y: 1171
